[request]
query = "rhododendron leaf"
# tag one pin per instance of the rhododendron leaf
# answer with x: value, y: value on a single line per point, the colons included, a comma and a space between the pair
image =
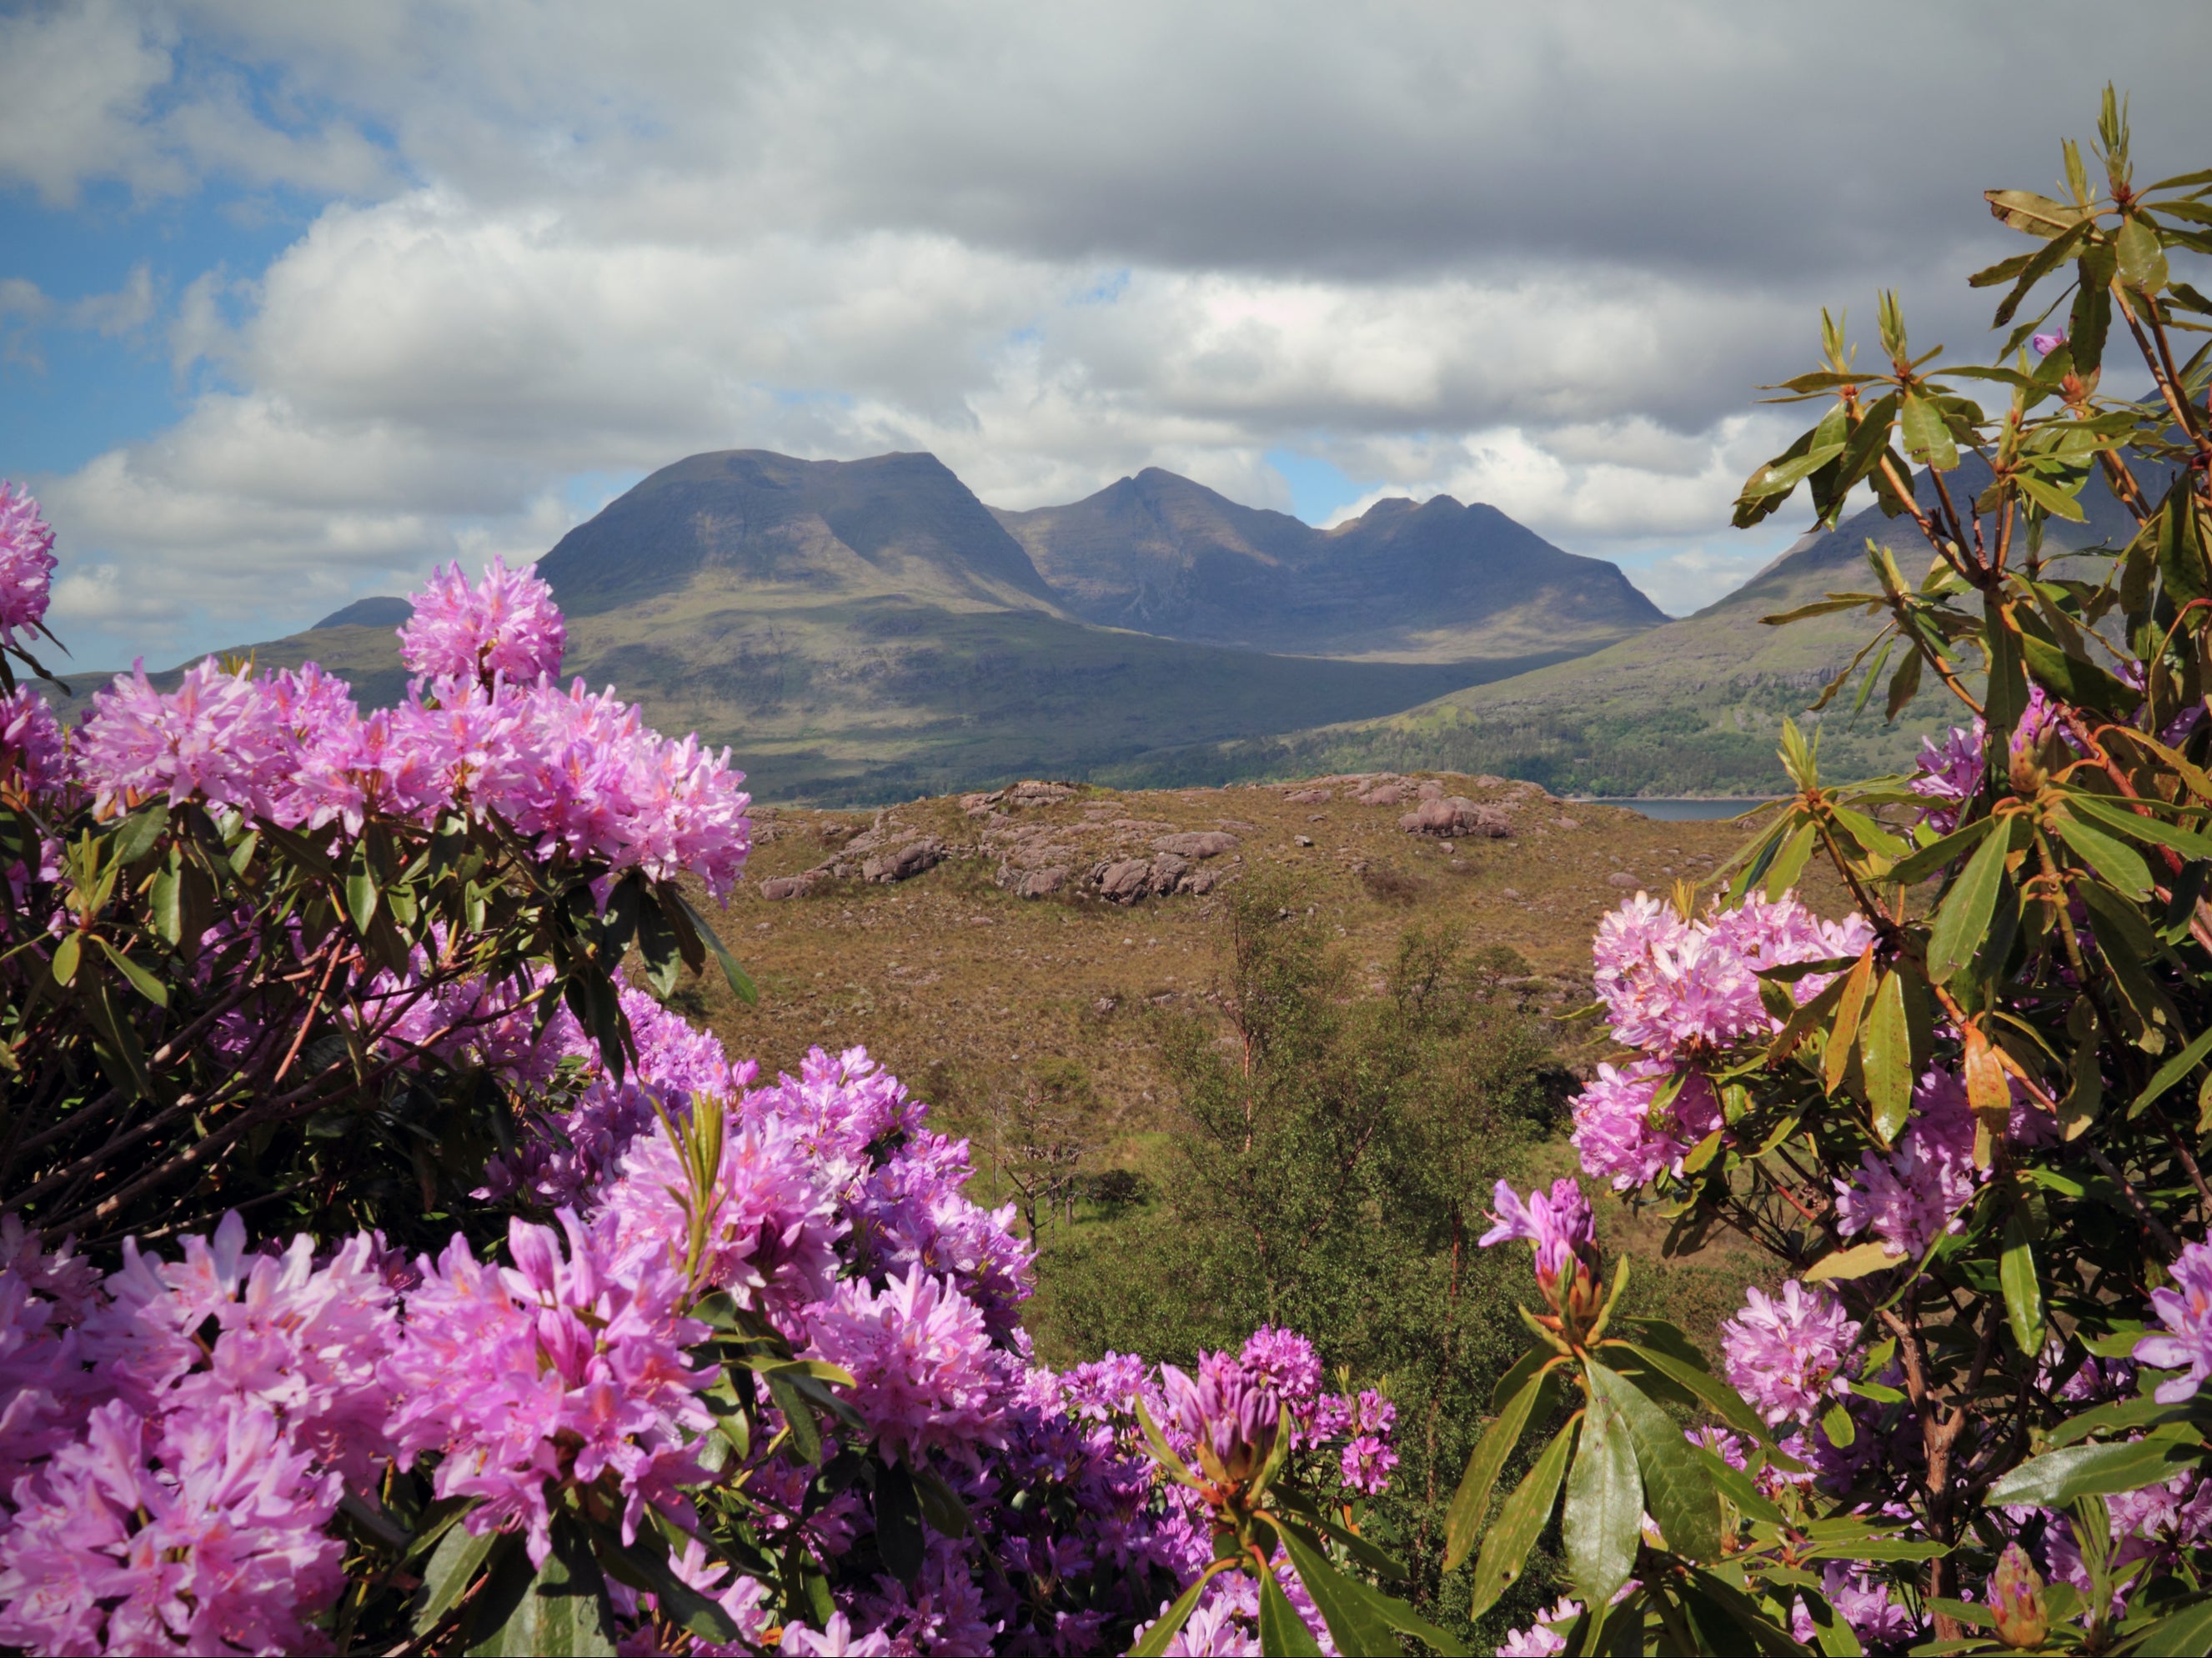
x: 1470, y: 1504
x: 1801, y: 1024
x: 141, y: 981
x: 563, y: 1610
x: 1964, y: 919
x: 1886, y: 1059
x: 642, y: 1567
x: 898, y: 1522
x: 2118, y: 863
x: 1281, y: 1629
x: 1939, y: 854
x: 1836, y: 1055
x: 1903, y: 684
x: 798, y: 1420
x: 2119, y: 1416
x: 2023, y: 1293
x: 1602, y: 1515
x: 1170, y: 1624
x: 63, y: 965
x: 2141, y: 826
x: 1161, y: 1454
x: 361, y: 896
x: 121, y: 1055
x: 739, y: 984
x: 1754, y: 1630
x: 1675, y: 1489
x: 2186, y: 1634
x: 941, y: 1506
x: 1855, y: 1261
x: 461, y: 1555
x: 1722, y: 1399
x: 1737, y: 1487
x: 1790, y: 861
x: 2054, y: 1478
x: 1505, y: 1545
x: 135, y: 835
x: 1360, y: 1619
x: 658, y: 945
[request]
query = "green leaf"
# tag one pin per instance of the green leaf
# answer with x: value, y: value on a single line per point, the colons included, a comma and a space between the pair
x: 1790, y: 862
x: 2081, y: 682
x: 2120, y: 864
x: 1857, y: 1261
x: 564, y: 1611
x: 805, y: 1435
x: 136, y: 837
x: 1602, y: 1516
x: 2054, y: 1478
x: 1886, y: 1058
x: 1836, y: 1057
x: 2037, y: 216
x: 1359, y: 1618
x: 141, y: 981
x: 1281, y: 1629
x: 1964, y: 919
x: 2142, y: 260
x: 2116, y: 815
x: 1675, y: 1489
x: 361, y: 898
x: 1505, y: 1545
x: 2173, y: 1071
x: 1470, y: 1504
x: 1169, y: 1625
x: 643, y: 1566
x: 898, y: 1522
x: 740, y: 985
x: 1936, y: 854
x: 1718, y: 1397
x: 1927, y: 438
x: 2050, y: 497
x: 2023, y: 1293
x: 1903, y: 685
x: 63, y: 966
x: 452, y: 1568
x: 2181, y: 546
x: 2184, y: 1634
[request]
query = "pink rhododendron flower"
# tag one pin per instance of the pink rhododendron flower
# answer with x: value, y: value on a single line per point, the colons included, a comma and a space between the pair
x: 1918, y: 1190
x: 1365, y: 1465
x: 925, y: 1376
x: 836, y: 1639
x: 503, y: 626
x: 553, y: 1371
x: 202, y: 1534
x: 2186, y: 1310
x: 1950, y: 773
x: 2045, y: 345
x: 1786, y: 1354
x: 27, y: 561
x: 1234, y: 1414
x: 33, y: 758
x: 1615, y: 1132
x: 1540, y: 1639
x: 1558, y: 1224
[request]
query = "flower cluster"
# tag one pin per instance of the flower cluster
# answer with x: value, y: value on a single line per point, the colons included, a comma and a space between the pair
x: 1563, y: 1232
x: 2185, y: 1342
x: 26, y: 563
x: 1917, y: 1192
x: 504, y: 627
x: 1789, y: 1354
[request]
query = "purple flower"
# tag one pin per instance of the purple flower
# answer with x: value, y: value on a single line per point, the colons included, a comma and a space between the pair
x: 2045, y: 345
x: 1228, y: 1411
x: 1561, y: 1225
x: 836, y: 1639
x: 1787, y: 1354
x: 1916, y: 1192
x: 505, y: 626
x: 1285, y: 1361
x: 1950, y: 772
x: 1541, y: 1639
x: 32, y: 760
x: 27, y: 561
x: 1366, y: 1464
x: 2185, y: 1309
x: 1618, y: 1138
x: 924, y: 1375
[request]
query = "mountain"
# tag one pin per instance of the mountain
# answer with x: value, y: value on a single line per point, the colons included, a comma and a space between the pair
x: 868, y: 630
x: 1691, y: 708
x: 1435, y: 582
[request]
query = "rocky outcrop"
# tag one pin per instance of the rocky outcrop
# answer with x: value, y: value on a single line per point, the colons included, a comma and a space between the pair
x: 1197, y: 844
x: 903, y: 863
x: 1452, y: 816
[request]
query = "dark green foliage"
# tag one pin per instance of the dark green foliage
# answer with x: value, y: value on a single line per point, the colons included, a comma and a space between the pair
x: 1331, y: 1177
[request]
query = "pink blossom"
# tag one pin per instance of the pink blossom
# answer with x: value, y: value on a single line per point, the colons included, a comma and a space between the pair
x: 1558, y: 1224
x: 834, y: 1640
x: 924, y: 1377
x: 1232, y: 1412
x: 1918, y: 1191
x: 1950, y: 772
x: 554, y: 1370
x: 1285, y: 1361
x: 1541, y: 1639
x: 215, y: 739
x: 33, y: 759
x: 1787, y: 1354
x: 1366, y: 1464
x: 27, y: 561
x: 1616, y: 1133
x: 203, y: 1534
x: 2186, y: 1310
x: 506, y: 625
x: 2045, y: 345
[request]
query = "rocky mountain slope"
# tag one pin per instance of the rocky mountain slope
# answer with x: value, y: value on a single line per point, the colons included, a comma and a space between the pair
x: 1435, y: 582
x: 1691, y: 708
x: 868, y: 630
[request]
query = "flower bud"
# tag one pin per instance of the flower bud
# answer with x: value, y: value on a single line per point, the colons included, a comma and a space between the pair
x: 2016, y: 1598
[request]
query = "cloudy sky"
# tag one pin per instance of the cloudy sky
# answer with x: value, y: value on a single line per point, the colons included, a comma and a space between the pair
x: 297, y: 300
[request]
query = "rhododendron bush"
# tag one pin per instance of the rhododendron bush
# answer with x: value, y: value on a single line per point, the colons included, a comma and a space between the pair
x: 381, y: 1267
x: 1967, y: 1119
